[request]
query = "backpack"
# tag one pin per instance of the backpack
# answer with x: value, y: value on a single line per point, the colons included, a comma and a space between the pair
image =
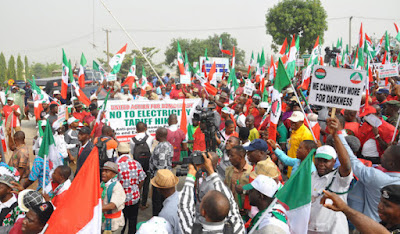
x: 102, y: 147
x: 141, y: 152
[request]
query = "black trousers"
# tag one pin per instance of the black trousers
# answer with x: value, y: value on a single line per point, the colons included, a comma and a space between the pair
x: 145, y: 190
x: 157, y: 200
x: 130, y: 215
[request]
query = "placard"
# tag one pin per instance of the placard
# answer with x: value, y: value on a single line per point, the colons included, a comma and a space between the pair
x: 185, y: 79
x: 221, y: 64
x: 337, y: 87
x: 248, y: 88
x: 61, y: 115
x: 111, y: 77
x: 123, y: 116
x: 300, y: 62
x: 388, y: 70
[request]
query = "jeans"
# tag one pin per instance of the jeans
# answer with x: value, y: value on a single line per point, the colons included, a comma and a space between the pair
x: 130, y: 215
x: 157, y: 200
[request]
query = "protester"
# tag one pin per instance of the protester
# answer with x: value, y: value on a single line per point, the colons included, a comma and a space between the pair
x: 60, y: 183
x: 254, y: 134
x: 36, y: 218
x: 9, y: 209
x: 111, y: 145
x: 131, y: 176
x: 20, y: 157
x: 85, y: 149
x: 176, y: 137
x: 53, y: 114
x: 12, y: 115
x: 18, y: 96
x: 71, y: 138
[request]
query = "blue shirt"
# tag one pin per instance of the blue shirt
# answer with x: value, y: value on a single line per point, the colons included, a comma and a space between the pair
x: 170, y: 211
x: 369, y: 184
x: 288, y: 161
x: 37, y: 172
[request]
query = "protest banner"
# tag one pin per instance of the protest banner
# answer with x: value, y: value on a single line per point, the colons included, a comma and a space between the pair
x: 185, y: 79
x: 248, y: 88
x: 220, y: 64
x: 388, y: 70
x: 337, y: 87
x: 122, y: 116
x: 111, y: 77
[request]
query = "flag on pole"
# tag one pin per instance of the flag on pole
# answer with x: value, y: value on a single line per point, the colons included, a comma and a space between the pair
x: 221, y: 49
x: 84, y: 198
x: 378, y: 47
x: 205, y: 54
x: 360, y: 38
x: 291, y: 63
x: 296, y: 194
x: 81, y: 76
x: 272, y: 69
x: 187, y: 67
x: 79, y: 94
x: 212, y: 76
x: 281, y: 81
x: 232, y: 83
x: 262, y: 58
x: 283, y: 47
x: 116, y: 61
x: 250, y: 63
x: 64, y: 76
x: 3, y: 136
x: 183, y: 123
x: 99, y: 68
x: 131, y: 78
x: 387, y: 48
x: 48, y: 149
x: 180, y: 60
x: 233, y: 58
x: 100, y: 114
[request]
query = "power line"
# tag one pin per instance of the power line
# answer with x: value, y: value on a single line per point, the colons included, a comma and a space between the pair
x: 193, y: 30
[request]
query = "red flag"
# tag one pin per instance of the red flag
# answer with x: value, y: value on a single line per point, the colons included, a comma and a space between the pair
x: 82, y: 209
x: 128, y: 81
x: 397, y: 28
x: 203, y: 68
x: 360, y: 38
x: 283, y: 48
x: 371, y: 79
x: 211, y: 72
x: 210, y: 89
x: 183, y: 125
x: 384, y: 58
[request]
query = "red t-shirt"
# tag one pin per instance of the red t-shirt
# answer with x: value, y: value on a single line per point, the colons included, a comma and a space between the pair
x: 176, y: 94
x: 353, y: 126
x: 175, y: 139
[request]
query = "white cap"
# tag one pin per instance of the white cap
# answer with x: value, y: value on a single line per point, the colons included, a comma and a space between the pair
x: 157, y: 225
x: 264, y: 105
x: 93, y: 97
x: 56, y: 92
x: 10, y: 98
x: 297, y: 116
x: 326, y: 152
x: 71, y: 120
x: 43, y: 123
x: 289, y: 90
x: 227, y: 110
x: 263, y: 184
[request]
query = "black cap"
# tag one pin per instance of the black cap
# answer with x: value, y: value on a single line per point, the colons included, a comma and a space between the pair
x: 43, y: 211
x: 84, y: 130
x: 391, y: 193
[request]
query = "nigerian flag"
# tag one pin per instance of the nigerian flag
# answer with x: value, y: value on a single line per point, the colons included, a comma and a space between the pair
x: 296, y: 193
x: 235, y: 84
x: 116, y: 61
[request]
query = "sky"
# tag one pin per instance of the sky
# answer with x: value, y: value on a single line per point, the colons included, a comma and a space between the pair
x: 40, y: 29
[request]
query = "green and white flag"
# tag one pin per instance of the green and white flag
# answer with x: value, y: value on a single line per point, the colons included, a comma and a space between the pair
x: 291, y: 63
x: 235, y: 84
x: 116, y: 61
x: 99, y: 68
x: 297, y: 195
x: 48, y: 151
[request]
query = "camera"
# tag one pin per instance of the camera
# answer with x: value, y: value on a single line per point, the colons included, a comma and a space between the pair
x: 196, y: 158
x: 208, y: 126
x: 331, y: 54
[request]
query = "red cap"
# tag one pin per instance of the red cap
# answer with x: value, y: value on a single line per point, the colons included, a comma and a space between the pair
x: 367, y: 110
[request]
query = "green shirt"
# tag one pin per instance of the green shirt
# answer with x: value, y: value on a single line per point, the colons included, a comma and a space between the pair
x: 283, y: 133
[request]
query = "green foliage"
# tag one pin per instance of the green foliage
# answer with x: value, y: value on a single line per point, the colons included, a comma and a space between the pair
x: 11, y: 73
x: 196, y: 47
x: 27, y: 75
x: 3, y: 68
x: 40, y: 70
x: 20, y: 68
x: 140, y: 61
x: 301, y: 17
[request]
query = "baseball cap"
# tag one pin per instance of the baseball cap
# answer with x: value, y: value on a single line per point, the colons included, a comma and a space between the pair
x: 264, y: 105
x: 71, y: 120
x: 326, y: 152
x: 264, y: 185
x: 112, y: 166
x: 28, y: 198
x: 312, y: 117
x: 297, y: 116
x: 56, y: 92
x: 84, y: 130
x: 93, y: 97
x: 256, y: 96
x: 289, y: 90
x: 382, y: 90
x: 391, y: 193
x: 367, y: 110
x: 10, y: 98
x: 226, y: 110
x: 157, y: 225
x: 43, y: 211
x: 257, y: 144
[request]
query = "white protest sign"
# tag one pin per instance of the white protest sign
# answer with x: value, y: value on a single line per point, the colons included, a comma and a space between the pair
x: 111, y: 77
x: 248, y: 88
x: 337, y: 87
x: 388, y: 70
x: 61, y: 115
x: 300, y: 62
x: 123, y: 116
x: 220, y: 65
x: 185, y: 79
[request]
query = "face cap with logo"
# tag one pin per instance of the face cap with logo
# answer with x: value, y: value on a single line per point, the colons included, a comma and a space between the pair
x: 264, y: 185
x: 257, y: 144
x: 391, y: 193
x: 297, y: 116
x: 327, y: 152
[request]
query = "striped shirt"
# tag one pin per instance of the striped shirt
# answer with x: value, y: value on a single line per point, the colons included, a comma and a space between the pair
x: 187, y: 212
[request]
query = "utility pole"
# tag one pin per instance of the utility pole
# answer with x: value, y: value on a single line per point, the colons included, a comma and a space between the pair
x: 351, y: 17
x: 108, y: 50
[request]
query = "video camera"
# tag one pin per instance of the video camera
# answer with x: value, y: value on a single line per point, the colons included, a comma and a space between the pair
x: 196, y: 158
x: 331, y: 54
x: 207, y: 125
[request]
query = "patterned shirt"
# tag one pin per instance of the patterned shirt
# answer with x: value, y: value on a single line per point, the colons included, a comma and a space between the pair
x: 130, y: 175
x: 13, y: 214
x: 37, y: 172
x: 161, y: 157
x: 20, y: 159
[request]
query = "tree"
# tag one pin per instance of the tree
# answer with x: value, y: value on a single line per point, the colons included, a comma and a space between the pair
x: 196, y: 47
x: 306, y: 18
x: 140, y: 61
x: 20, y: 68
x: 11, y: 73
x: 40, y: 70
x: 27, y: 75
x: 3, y: 68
